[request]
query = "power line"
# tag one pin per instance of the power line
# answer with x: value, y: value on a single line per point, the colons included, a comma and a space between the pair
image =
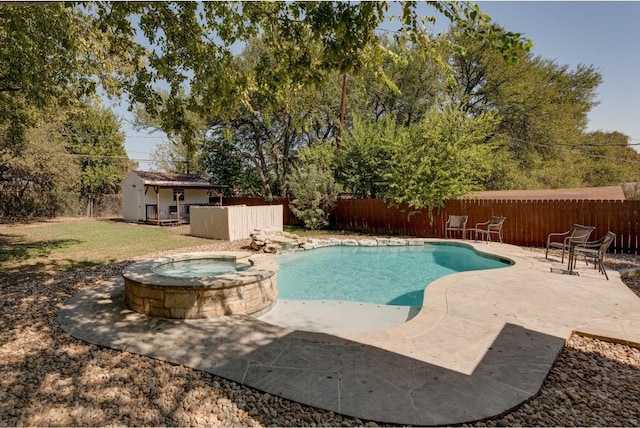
x: 574, y: 146
x: 110, y: 157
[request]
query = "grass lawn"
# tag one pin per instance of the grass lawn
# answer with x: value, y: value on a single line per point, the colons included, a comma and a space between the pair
x: 33, y: 251
x: 44, y: 248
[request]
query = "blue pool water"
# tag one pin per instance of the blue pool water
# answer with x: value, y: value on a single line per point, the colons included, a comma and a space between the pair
x: 394, y: 275
x: 195, y: 268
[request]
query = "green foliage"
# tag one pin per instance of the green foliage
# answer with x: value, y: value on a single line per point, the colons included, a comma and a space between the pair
x: 54, y: 54
x: 93, y: 136
x: 246, y: 119
x: 365, y: 155
x: 170, y: 156
x: 28, y: 32
x: 314, y: 195
x: 607, y: 159
x: 266, y: 134
x: 185, y: 129
x: 411, y: 81
x: 322, y: 154
x: 190, y: 47
x: 226, y: 165
x: 541, y: 106
x: 35, y: 173
x: 441, y: 158
x: 444, y: 156
x: 51, y: 60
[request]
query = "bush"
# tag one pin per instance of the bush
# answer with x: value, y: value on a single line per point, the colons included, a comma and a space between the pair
x: 314, y: 195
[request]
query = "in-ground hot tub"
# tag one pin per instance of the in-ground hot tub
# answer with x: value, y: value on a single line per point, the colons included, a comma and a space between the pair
x: 181, y: 285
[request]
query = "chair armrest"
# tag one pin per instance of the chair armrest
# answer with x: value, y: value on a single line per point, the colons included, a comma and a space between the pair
x: 579, y: 239
x: 483, y: 224
x: 584, y: 250
x: 592, y: 244
x: 558, y: 234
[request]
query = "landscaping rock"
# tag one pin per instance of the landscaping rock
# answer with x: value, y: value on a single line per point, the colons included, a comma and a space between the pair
x: 274, y: 241
x: 48, y: 378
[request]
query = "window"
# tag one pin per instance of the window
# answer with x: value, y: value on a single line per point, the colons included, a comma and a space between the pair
x: 178, y: 191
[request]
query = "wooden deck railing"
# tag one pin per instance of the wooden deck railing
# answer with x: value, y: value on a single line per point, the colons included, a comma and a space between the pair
x: 528, y: 222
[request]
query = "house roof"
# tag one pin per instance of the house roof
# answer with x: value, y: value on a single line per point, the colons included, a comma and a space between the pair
x: 167, y: 179
x: 590, y: 193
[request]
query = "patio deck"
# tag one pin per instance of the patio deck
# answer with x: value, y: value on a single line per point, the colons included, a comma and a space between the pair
x: 482, y: 344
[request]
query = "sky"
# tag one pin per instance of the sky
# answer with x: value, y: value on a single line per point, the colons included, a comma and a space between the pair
x: 603, y: 34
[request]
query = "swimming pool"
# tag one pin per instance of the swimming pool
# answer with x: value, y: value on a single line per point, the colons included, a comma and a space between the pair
x: 388, y: 275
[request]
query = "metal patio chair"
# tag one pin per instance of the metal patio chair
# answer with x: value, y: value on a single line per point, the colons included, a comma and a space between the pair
x: 594, y: 250
x: 456, y: 223
x: 574, y: 236
x: 492, y: 226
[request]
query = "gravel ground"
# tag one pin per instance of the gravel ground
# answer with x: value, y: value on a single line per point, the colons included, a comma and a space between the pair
x: 48, y: 378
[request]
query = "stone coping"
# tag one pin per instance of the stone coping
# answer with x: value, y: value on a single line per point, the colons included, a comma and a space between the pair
x: 248, y: 291
x: 482, y: 345
x: 310, y: 244
x: 261, y: 267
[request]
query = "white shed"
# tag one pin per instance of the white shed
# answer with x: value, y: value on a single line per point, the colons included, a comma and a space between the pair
x: 165, y: 198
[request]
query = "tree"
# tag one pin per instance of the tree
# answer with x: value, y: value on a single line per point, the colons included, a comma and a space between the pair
x: 55, y: 54
x: 170, y: 156
x: 191, y: 47
x: 40, y: 54
x: 314, y: 196
x: 441, y: 158
x: 186, y: 135
x: 365, y: 156
x: 225, y: 164
x: 92, y: 135
x: 607, y: 159
x: 540, y: 105
x: 52, y: 58
x: 35, y: 174
x: 312, y: 185
x: 411, y: 83
x: 267, y: 133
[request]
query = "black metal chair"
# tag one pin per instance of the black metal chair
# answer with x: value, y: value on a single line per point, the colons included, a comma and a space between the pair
x: 594, y: 250
x: 576, y: 235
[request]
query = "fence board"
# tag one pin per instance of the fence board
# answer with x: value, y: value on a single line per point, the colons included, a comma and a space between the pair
x: 528, y: 221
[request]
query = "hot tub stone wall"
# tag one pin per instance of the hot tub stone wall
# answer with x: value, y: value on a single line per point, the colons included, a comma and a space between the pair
x: 245, y: 292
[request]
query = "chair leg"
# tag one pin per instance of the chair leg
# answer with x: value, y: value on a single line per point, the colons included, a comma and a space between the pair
x: 601, y: 265
x: 572, y: 260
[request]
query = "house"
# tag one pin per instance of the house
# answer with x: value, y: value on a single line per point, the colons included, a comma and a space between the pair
x: 164, y: 198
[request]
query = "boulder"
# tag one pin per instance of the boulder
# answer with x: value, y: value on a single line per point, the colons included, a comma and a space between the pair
x: 273, y: 240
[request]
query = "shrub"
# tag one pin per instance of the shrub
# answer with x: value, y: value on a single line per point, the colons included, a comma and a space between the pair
x: 314, y: 195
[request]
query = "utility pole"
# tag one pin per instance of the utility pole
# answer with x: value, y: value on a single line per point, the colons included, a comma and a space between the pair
x: 343, y: 103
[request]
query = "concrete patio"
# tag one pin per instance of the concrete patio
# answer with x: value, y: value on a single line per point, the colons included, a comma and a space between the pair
x: 481, y: 345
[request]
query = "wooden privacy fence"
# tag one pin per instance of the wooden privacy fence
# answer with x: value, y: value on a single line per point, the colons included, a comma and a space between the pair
x: 234, y: 222
x: 528, y: 221
x: 287, y: 215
